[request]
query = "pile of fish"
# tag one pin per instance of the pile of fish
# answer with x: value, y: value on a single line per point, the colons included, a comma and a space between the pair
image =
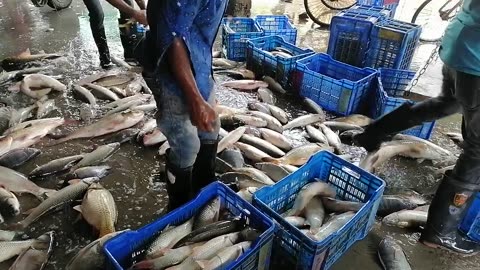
x: 32, y: 253
x: 205, y: 241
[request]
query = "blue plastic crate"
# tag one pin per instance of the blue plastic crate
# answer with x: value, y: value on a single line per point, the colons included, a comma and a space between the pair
x: 262, y: 62
x: 390, y: 4
x: 388, y: 94
x: 471, y: 222
x: 393, y: 44
x: 294, y: 250
x: 367, y: 9
x: 337, y: 87
x: 350, y: 35
x: 235, y: 34
x: 127, y: 248
x: 277, y: 25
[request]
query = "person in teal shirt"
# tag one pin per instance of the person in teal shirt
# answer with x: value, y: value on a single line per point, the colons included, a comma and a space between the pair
x: 460, y: 52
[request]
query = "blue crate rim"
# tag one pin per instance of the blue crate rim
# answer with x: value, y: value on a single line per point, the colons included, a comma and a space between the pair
x: 252, y: 42
x: 227, y: 32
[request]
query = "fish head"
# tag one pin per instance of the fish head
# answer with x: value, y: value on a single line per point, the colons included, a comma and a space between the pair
x: 13, y: 206
x: 95, y: 186
x: 392, y: 219
x: 91, y: 180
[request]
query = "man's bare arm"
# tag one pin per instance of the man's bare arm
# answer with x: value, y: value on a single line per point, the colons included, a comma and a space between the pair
x: 138, y: 15
x: 141, y: 4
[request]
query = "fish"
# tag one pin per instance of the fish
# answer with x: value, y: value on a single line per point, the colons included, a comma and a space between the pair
x: 147, y: 127
x: 40, y: 81
x: 225, y: 257
x: 298, y: 156
x: 32, y: 123
x: 250, y: 120
x: 18, y: 183
x: 274, y: 85
x: 332, y: 138
x: 106, y: 125
x: 126, y: 106
x: 221, y: 166
x: 120, y: 92
x: 99, y: 209
x: 208, y: 214
x: 9, y: 204
x: 170, y: 236
x: 56, y: 165
x: 134, y: 87
x: 112, y: 79
x: 153, y: 138
x: 406, y: 219
x: 276, y: 139
x: 241, y: 180
x: 457, y: 138
x: 278, y: 113
x: 342, y: 126
x: 266, y: 96
x: 35, y: 258
x: 333, y: 225
x: 145, y: 107
x: 87, y: 112
x: 247, y: 193
x: 163, y: 149
x: 256, y: 175
x: 14, y: 74
x: 262, y: 145
x: 313, y: 107
x: 85, y: 95
x: 18, y: 116
x: 281, y: 54
x: 392, y: 256
x: 169, y: 258
x: 18, y: 61
x: 224, y: 63
x: 289, y: 168
x: 355, y: 119
x: 237, y: 73
x: 253, y: 131
x: 307, y: 192
x: 244, y: 84
x: 222, y: 109
x: 296, y: 221
x: 272, y: 122
x: 251, y: 152
x: 258, y: 106
x: 5, y: 144
x: 273, y: 171
x: 10, y: 249
x: 17, y: 157
x: 91, y: 257
x: 102, y: 92
x: 392, y: 203
x: 121, y: 136
x: 216, y: 54
x: 434, y: 147
x: 316, y: 134
x: 230, y: 139
x: 210, y: 231
x: 44, y: 108
x: 98, y: 155
x: 304, y: 121
x: 315, y: 214
x: 423, y: 208
x: 88, y: 172
x: 123, y: 101
x: 7, y: 235
x: 60, y: 198
x: 233, y: 157
x: 339, y: 206
x: 120, y: 62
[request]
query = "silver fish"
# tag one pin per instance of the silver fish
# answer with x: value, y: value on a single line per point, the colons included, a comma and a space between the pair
x: 102, y: 92
x: 17, y: 157
x: 237, y: 73
x: 313, y: 107
x: 342, y: 126
x: 170, y: 236
x: 233, y: 157
x: 432, y: 146
x: 333, y: 225
x: 18, y: 116
x: 120, y: 92
x: 98, y: 155
x: 145, y: 107
x: 262, y: 145
x: 244, y: 84
x: 35, y: 258
x: 153, y: 138
x: 296, y: 221
x: 332, y: 138
x: 339, y: 206
x: 315, y: 214
x: 147, y: 127
x: 224, y: 63
x: 391, y: 255
x: 121, y: 136
x: 208, y: 214
x: 9, y: 203
x: 169, y: 258
x: 247, y: 193
x: 278, y: 113
x: 7, y: 235
x: 126, y: 106
x: 120, y: 62
x: 258, y: 106
x: 250, y: 120
x: 265, y: 95
x: 272, y: 122
x: 85, y: 95
x: 18, y: 183
x: 406, y: 219
x: 274, y: 171
x: 40, y: 81
x: 304, y: 121
x: 306, y: 194
x: 230, y: 139
x: 251, y: 152
x: 298, y: 156
x: 123, y: 101
x: 89, y: 171
x: 134, y: 87
x: 45, y: 107
x: 10, y: 249
x: 276, y: 139
x: 225, y: 257
x: 256, y: 175
x: 316, y: 135
x: 55, y: 166
x: 274, y: 85
x: 355, y: 119
x: 32, y: 123
x: 112, y: 79
x: 241, y: 180
x: 253, y: 131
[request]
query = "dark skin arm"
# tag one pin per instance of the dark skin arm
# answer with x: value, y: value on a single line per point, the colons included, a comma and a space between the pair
x: 141, y: 4
x: 202, y: 115
x: 139, y: 15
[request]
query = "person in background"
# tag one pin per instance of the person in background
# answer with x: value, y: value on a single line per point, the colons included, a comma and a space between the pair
x: 177, y: 66
x: 127, y: 12
x: 460, y: 52
x: 239, y: 8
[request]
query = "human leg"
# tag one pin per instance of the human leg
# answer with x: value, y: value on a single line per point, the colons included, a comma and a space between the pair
x: 95, y: 12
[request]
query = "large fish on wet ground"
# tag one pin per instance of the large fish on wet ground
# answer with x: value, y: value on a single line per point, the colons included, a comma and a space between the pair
x: 233, y: 156
x: 307, y: 192
x: 106, y: 125
x: 85, y: 95
x: 237, y: 73
x: 230, y: 139
x: 18, y: 116
x: 262, y: 145
x: 121, y: 136
x: 298, y: 156
x: 40, y: 81
x: 266, y: 96
x: 278, y: 113
x: 18, y: 183
x: 332, y: 138
x: 304, y: 121
x: 316, y: 134
x: 252, y: 153
x: 274, y: 85
x: 406, y: 219
x: 342, y: 126
x: 31, y: 123
x: 245, y: 84
x: 391, y: 255
x: 18, y: 62
x: 313, y: 107
x: 224, y: 63
x: 111, y: 79
x: 89, y: 171
x: 9, y: 204
x: 276, y: 139
x: 147, y: 127
x: 45, y: 107
x: 99, y: 209
x: 10, y: 249
x: 17, y: 157
x: 98, y: 155
x: 35, y: 258
x: 435, y: 148
x: 123, y: 101
x: 102, y: 92
x: 355, y: 119
x: 154, y: 137
x: 259, y: 106
x: 272, y: 122
x: 255, y: 174
x: 393, y: 203
x: 250, y: 120
x: 56, y: 165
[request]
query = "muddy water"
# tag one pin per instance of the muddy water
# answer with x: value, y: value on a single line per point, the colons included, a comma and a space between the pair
x: 140, y: 198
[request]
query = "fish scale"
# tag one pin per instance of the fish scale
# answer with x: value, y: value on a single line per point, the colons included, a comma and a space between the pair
x: 98, y: 155
x: 99, y: 209
x: 170, y: 237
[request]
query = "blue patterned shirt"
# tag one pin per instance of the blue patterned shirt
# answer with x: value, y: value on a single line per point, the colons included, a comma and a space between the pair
x: 197, y: 23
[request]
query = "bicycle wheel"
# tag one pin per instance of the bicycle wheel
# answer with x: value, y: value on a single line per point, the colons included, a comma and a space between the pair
x: 339, y: 4
x: 318, y: 12
x: 59, y: 4
x: 427, y: 15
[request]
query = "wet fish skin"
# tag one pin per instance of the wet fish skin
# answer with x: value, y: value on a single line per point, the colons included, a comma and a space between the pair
x: 121, y: 136
x: 147, y: 127
x: 247, y: 193
x: 35, y: 258
x: 251, y: 152
x: 391, y: 204
x: 257, y: 106
x: 250, y: 120
x: 169, y: 258
x: 274, y: 85
x: 296, y: 221
x: 272, y: 122
x: 392, y: 256
x: 355, y: 119
x: 266, y: 96
x: 40, y: 81
x: 210, y: 231
x: 233, y: 156
x: 256, y: 175
x: 406, y: 219
x: 313, y: 107
x: 276, y: 139
x: 230, y: 139
x: 332, y: 138
x: 102, y: 92
x: 32, y: 123
x: 98, y: 155
x: 274, y: 171
x: 435, y: 148
x: 88, y: 172
x: 125, y: 106
x: 9, y: 203
x: 262, y: 145
x: 54, y: 166
x: 237, y: 73
x: 85, y: 95
x: 306, y: 194
x: 153, y: 138
x: 18, y: 116
x: 44, y: 108
x: 316, y: 135
x: 112, y: 79
x: 278, y: 113
x: 120, y: 62
x: 99, y: 209
x: 225, y: 257
x: 7, y: 235
x: 333, y: 225
x: 304, y: 121
x: 339, y: 206
x: 244, y: 84
x: 18, y: 183
x: 298, y: 156
x: 208, y: 214
x: 120, y: 92
x: 225, y: 63
x: 254, y: 131
x: 123, y: 101
x: 17, y: 157
x: 315, y: 214
x: 341, y: 126
x: 9, y: 249
x: 170, y: 236
x: 242, y: 180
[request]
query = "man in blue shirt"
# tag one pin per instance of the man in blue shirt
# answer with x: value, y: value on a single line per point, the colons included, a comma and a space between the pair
x: 178, y: 68
x: 460, y: 52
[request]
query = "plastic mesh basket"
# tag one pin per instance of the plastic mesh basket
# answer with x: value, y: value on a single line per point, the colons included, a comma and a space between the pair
x: 235, y: 34
x: 471, y: 222
x: 390, y: 4
x: 277, y: 25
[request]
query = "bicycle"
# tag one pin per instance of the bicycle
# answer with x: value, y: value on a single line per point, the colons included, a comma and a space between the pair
x: 322, y: 11
x: 55, y: 4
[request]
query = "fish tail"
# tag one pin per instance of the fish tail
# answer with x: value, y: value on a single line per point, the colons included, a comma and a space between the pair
x: 17, y: 227
x: 144, y: 265
x: 271, y: 160
x: 104, y: 230
x: 202, y: 263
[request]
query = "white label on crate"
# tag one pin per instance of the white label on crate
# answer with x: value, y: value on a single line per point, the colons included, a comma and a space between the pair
x: 350, y: 172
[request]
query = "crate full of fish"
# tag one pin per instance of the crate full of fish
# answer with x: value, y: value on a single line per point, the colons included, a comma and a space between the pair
x: 335, y: 86
x: 216, y: 230
x: 350, y: 35
x: 277, y: 25
x: 337, y: 199
x: 471, y: 222
x: 274, y: 57
x: 235, y: 34
x: 390, y: 4
x: 389, y: 91
x: 393, y: 44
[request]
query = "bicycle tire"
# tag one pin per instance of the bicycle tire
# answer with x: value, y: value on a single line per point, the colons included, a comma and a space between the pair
x: 321, y: 16
x: 419, y: 10
x: 331, y: 4
x: 59, y: 4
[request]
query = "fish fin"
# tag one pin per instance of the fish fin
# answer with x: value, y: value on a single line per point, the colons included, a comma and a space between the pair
x: 271, y: 160
x: 78, y: 208
x: 147, y: 264
x: 48, y: 192
x: 420, y: 160
x: 29, y: 211
x: 202, y: 263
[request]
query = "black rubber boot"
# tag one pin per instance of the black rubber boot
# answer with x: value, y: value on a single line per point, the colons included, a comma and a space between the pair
x: 204, y: 167
x: 179, y: 189
x: 448, y: 207
x: 385, y: 128
x: 103, y: 51
x: 130, y: 39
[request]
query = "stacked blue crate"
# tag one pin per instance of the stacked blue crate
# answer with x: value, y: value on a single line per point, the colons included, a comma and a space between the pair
x: 235, y: 34
x: 390, y: 4
x: 277, y: 25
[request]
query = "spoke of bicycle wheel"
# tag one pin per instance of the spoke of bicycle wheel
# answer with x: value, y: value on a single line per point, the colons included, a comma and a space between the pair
x: 317, y: 8
x: 340, y: 4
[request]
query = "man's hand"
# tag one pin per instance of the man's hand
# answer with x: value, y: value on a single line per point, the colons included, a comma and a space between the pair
x: 202, y: 115
x: 140, y: 16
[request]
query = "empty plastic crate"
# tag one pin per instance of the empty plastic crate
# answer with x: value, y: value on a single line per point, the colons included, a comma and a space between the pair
x: 262, y: 62
x: 389, y: 91
x: 127, y: 248
x: 335, y: 86
x: 367, y: 9
x: 350, y: 36
x: 277, y: 25
x: 390, y: 4
x: 294, y: 250
x: 393, y: 44
x: 471, y: 222
x: 235, y: 34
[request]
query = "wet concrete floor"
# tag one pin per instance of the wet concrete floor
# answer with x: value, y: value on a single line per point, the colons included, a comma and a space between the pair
x: 142, y: 200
